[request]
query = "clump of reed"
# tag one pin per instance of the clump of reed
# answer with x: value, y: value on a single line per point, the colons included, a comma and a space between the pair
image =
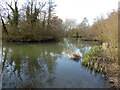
x: 92, y: 62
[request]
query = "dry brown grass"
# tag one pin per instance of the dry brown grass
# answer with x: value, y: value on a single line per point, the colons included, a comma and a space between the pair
x: 107, y: 31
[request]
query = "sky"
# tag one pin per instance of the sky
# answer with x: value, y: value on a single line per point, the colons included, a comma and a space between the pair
x: 78, y: 9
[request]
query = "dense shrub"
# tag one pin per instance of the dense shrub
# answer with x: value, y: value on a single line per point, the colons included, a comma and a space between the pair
x: 107, y: 31
x: 32, y: 23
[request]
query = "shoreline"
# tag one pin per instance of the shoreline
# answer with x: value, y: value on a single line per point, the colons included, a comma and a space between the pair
x: 31, y: 41
x: 101, y: 59
x: 103, y: 64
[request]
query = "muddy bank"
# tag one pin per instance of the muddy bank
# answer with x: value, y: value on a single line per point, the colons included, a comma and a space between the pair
x: 112, y: 69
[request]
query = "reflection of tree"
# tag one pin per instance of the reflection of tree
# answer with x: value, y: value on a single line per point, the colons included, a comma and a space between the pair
x: 30, y: 60
x: 29, y: 65
x: 83, y: 45
x: 16, y: 58
x: 5, y: 57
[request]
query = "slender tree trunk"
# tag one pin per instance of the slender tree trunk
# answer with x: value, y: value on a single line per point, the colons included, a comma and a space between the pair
x: 4, y: 26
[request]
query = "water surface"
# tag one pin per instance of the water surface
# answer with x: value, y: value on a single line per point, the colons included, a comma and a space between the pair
x: 31, y: 65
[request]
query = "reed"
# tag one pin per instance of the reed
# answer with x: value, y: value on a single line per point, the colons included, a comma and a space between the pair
x: 91, y: 61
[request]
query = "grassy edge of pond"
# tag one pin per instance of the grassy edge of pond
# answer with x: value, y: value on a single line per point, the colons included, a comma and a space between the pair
x: 96, y: 58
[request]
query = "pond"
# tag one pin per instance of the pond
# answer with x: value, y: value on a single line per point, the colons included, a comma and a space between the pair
x: 34, y: 65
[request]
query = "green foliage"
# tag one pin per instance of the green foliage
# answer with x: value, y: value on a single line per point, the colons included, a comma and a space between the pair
x: 15, y: 18
x: 4, y: 26
x: 28, y: 13
x: 9, y: 20
x: 44, y: 21
x: 35, y: 14
x: 89, y: 60
x: 92, y: 51
x: 51, y: 8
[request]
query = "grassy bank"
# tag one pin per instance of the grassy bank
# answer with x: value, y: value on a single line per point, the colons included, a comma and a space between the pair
x: 98, y: 60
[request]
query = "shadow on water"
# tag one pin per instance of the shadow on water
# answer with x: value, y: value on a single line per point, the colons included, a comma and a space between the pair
x: 32, y: 65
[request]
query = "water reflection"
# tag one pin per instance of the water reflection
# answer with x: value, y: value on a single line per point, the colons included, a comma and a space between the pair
x: 31, y: 65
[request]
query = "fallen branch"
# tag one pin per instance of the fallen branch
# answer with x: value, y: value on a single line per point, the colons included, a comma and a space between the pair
x: 50, y: 79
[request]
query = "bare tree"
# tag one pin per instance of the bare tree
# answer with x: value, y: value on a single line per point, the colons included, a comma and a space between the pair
x: 69, y: 24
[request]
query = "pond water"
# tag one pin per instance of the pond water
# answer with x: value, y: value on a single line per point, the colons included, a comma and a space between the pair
x: 32, y: 65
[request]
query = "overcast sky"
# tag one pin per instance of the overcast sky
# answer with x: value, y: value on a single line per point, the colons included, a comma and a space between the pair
x: 78, y: 9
